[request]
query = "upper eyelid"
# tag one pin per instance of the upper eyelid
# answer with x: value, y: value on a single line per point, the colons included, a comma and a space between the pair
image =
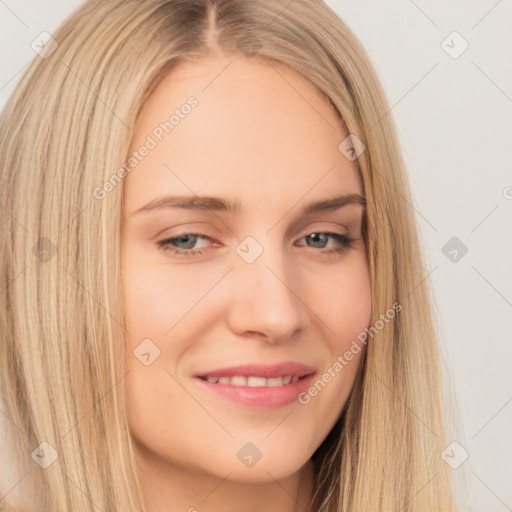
x: 355, y: 217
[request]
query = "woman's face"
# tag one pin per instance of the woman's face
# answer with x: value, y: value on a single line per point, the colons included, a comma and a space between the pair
x: 265, y: 283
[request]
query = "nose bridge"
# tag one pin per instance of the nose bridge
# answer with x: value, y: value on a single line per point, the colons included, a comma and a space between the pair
x: 266, y: 300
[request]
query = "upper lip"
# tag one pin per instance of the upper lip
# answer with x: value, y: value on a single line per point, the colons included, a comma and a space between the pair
x: 261, y: 370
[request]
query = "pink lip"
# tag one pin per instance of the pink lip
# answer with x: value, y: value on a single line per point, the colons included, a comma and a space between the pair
x: 261, y: 397
x: 261, y: 370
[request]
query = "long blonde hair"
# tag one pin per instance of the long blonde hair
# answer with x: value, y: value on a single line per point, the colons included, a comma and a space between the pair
x: 65, y: 131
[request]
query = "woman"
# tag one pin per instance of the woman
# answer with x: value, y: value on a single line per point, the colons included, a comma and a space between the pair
x: 223, y: 302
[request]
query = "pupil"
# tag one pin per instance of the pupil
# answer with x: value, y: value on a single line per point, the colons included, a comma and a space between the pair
x: 187, y: 238
x: 316, y: 235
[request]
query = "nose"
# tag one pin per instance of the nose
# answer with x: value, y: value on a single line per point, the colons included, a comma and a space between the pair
x: 266, y: 299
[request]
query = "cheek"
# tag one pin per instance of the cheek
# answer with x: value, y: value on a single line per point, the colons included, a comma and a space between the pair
x: 342, y: 300
x: 157, y: 295
x: 149, y: 305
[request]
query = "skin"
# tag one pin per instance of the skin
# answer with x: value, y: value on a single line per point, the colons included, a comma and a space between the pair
x: 267, y: 137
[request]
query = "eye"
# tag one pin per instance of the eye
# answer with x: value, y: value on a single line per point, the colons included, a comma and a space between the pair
x: 321, y: 238
x: 185, y: 245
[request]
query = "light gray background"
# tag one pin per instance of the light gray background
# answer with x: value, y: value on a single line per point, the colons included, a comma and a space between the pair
x: 455, y: 125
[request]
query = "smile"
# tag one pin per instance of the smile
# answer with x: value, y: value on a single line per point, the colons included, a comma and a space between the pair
x: 256, y: 392
x: 253, y: 381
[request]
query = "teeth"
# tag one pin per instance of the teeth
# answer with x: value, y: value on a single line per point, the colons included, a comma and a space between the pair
x: 254, y: 382
x: 275, y: 381
x: 238, y: 381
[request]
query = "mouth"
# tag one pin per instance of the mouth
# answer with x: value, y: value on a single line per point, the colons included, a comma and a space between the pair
x: 258, y: 386
x: 253, y: 381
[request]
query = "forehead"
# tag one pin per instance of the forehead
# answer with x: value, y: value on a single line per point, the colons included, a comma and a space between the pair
x: 257, y: 130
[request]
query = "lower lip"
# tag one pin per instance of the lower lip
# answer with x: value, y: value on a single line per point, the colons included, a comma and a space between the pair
x: 262, y: 397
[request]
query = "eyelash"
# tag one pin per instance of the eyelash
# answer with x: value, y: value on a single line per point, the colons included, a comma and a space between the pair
x: 346, y: 242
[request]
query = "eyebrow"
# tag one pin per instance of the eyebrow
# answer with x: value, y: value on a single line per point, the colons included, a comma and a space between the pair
x: 222, y: 204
